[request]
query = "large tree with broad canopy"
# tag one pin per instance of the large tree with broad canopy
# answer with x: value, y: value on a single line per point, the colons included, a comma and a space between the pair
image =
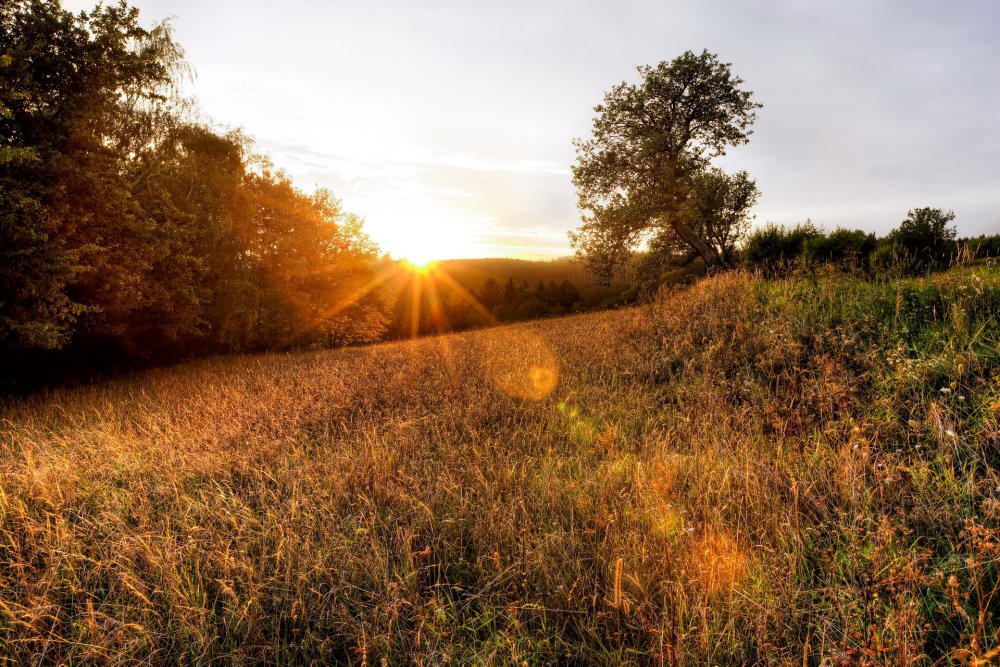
x: 648, y: 163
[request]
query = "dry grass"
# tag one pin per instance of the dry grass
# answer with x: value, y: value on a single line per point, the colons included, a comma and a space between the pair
x: 748, y: 472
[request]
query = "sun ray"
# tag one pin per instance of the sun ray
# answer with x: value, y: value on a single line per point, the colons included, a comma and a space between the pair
x: 380, y: 278
x: 465, y: 295
x: 437, y: 311
x: 415, y: 299
x: 440, y: 317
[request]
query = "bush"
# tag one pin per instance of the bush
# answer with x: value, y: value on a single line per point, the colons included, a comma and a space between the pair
x: 775, y: 249
x: 923, y: 242
x: 848, y: 248
x: 982, y: 247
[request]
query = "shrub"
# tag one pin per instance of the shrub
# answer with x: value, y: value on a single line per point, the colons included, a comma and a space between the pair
x: 923, y: 242
x: 775, y: 249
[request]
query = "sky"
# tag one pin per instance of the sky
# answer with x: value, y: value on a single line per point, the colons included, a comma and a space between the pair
x: 448, y: 124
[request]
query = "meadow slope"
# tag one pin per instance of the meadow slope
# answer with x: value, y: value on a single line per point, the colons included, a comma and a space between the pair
x: 743, y: 472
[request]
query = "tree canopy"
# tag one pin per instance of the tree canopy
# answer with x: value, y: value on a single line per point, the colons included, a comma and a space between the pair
x: 130, y: 227
x: 645, y: 175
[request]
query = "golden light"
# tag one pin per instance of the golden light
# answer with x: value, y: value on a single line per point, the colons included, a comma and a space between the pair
x: 419, y: 266
x: 720, y: 562
x: 521, y: 363
x: 422, y: 239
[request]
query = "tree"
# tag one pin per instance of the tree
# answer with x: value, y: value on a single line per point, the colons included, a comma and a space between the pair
x: 922, y: 242
x: 645, y: 172
x: 926, y: 232
x: 490, y: 294
x: 129, y: 230
x: 568, y: 295
x: 73, y: 89
x: 717, y: 210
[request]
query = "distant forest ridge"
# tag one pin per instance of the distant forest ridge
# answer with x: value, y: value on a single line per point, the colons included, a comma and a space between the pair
x: 473, y: 272
x: 456, y: 294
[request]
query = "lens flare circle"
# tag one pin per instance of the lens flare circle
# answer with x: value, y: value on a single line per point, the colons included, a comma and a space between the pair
x: 521, y: 363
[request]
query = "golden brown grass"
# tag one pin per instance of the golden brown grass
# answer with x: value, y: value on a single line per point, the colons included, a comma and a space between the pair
x: 747, y: 472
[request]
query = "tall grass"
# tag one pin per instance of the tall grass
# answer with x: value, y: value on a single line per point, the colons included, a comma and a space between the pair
x: 744, y: 472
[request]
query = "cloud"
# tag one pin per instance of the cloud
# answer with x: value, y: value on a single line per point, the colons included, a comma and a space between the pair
x: 459, y: 115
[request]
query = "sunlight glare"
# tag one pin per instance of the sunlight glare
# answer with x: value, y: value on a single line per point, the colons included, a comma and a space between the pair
x: 521, y: 363
x: 419, y: 264
x: 423, y: 238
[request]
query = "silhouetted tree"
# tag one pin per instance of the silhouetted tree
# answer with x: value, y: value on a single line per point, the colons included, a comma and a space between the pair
x: 530, y: 308
x: 926, y: 232
x: 489, y: 294
x: 922, y: 242
x: 567, y: 295
x: 541, y: 292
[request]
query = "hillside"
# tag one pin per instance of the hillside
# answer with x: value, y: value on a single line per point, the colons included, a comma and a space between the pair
x: 744, y: 472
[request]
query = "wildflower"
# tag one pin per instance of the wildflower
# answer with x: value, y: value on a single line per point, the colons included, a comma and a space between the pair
x: 945, y: 390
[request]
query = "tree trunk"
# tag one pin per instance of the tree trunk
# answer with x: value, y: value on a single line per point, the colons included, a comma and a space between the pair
x: 711, y: 258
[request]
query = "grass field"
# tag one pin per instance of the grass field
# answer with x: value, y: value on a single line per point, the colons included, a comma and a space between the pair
x: 745, y: 472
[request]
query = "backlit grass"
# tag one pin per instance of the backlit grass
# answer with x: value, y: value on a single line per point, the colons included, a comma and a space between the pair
x: 745, y: 472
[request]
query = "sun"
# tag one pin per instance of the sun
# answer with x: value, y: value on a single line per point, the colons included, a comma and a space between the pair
x: 419, y: 251
x: 421, y: 241
x: 419, y: 265
x: 421, y: 255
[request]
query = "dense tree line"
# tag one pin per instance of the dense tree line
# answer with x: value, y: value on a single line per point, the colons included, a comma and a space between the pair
x: 512, y: 302
x: 436, y: 301
x: 924, y: 241
x: 130, y: 230
x: 471, y: 273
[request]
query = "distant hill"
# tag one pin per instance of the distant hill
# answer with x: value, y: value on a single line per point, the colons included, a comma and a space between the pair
x: 457, y: 294
x: 472, y: 273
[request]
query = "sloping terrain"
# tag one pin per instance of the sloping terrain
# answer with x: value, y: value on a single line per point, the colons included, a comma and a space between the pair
x: 747, y: 471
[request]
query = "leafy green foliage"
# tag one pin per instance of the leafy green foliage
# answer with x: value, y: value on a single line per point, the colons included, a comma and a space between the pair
x: 645, y: 170
x: 777, y: 250
x: 926, y: 231
x: 923, y: 241
x: 129, y: 228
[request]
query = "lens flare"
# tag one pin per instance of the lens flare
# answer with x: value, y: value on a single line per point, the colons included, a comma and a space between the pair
x: 720, y: 562
x: 521, y: 363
